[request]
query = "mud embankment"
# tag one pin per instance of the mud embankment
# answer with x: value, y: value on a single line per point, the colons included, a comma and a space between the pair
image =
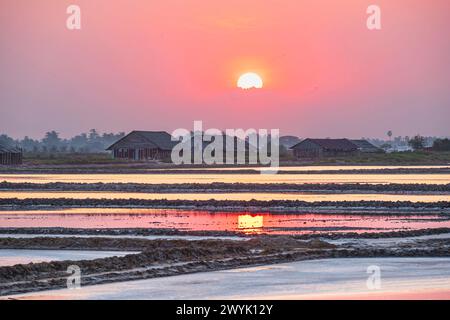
x: 136, y: 232
x: 122, y: 232
x: 157, y: 258
x: 271, y: 206
x: 63, y: 169
x: 231, y: 187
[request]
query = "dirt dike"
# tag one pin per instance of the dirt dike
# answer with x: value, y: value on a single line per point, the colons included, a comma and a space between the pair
x: 229, y: 187
x: 132, y: 232
x: 271, y: 206
x: 61, y: 169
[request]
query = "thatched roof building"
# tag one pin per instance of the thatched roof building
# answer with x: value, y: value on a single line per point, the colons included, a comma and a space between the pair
x: 143, y: 145
x: 318, y: 148
x: 10, y: 155
x: 365, y: 146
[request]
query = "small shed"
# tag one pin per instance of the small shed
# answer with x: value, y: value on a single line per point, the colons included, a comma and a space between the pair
x: 10, y: 155
x: 320, y: 148
x: 143, y: 145
x: 365, y: 146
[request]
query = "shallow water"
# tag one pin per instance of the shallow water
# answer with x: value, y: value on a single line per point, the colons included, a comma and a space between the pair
x: 10, y: 257
x: 401, y: 278
x: 318, y: 168
x: 218, y: 221
x: 151, y: 237
x: 309, y: 197
x: 229, y: 178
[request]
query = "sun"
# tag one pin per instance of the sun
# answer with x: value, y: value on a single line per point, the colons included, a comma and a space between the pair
x: 250, y: 80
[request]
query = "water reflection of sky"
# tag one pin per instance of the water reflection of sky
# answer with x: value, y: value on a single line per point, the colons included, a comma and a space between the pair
x: 241, y: 196
x: 220, y: 221
x: 250, y: 223
x: 229, y: 178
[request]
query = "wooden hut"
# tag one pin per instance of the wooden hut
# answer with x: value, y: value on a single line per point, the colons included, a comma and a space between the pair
x: 10, y: 155
x: 143, y: 145
x: 365, y: 146
x: 321, y: 148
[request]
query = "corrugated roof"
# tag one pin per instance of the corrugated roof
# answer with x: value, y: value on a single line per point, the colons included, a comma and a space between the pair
x: 330, y: 144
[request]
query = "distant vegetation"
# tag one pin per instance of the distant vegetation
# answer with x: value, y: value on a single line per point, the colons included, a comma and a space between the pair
x: 89, y: 148
x: 418, y: 157
x: 91, y: 142
x: 417, y: 143
x: 441, y: 145
x: 400, y: 143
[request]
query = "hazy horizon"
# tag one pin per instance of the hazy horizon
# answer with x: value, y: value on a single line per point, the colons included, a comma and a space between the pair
x: 151, y: 65
x: 68, y: 137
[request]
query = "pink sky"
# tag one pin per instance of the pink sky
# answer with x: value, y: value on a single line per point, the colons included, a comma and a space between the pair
x: 160, y: 65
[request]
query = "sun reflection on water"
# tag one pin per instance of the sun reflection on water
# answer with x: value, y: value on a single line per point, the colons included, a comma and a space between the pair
x: 250, y: 223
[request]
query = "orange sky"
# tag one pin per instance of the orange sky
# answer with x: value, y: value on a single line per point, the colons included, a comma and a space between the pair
x: 159, y: 65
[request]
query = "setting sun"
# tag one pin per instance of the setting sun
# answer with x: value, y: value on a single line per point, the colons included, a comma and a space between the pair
x: 250, y: 80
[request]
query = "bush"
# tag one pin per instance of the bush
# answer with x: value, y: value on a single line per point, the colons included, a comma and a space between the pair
x: 441, y: 145
x: 417, y: 143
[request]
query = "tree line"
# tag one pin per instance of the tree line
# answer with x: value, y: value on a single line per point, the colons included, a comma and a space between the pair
x: 419, y: 143
x: 93, y: 142
x: 416, y: 143
x: 90, y: 142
